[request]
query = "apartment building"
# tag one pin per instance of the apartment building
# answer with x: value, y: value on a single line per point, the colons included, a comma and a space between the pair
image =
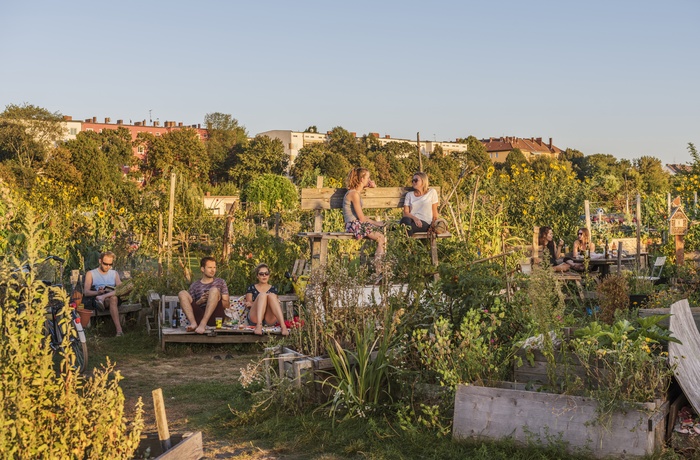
x: 499, y: 147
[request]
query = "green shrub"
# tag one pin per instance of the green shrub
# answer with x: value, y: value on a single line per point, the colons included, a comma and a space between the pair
x: 275, y: 192
x: 49, y: 414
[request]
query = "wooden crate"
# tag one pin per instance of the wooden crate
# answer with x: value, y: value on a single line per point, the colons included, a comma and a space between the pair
x: 527, y: 416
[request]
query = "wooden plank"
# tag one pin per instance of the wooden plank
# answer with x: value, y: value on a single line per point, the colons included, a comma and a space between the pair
x: 497, y: 413
x: 201, y: 338
x: 685, y: 355
x: 190, y: 448
x: 123, y: 309
x: 372, y: 198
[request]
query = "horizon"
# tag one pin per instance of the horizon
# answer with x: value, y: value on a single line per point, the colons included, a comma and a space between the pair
x: 599, y: 78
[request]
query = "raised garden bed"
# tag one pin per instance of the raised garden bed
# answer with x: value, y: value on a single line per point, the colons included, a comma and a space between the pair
x: 509, y: 411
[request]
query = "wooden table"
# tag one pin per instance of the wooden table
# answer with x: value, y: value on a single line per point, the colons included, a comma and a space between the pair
x: 604, y: 263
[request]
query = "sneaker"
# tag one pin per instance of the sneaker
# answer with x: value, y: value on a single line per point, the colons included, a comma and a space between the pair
x: 120, y: 334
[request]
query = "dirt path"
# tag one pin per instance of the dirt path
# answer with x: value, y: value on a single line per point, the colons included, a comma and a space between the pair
x: 141, y: 377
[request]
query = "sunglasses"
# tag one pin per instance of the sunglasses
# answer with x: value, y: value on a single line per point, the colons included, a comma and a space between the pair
x: 263, y: 273
x: 580, y: 233
x: 107, y: 265
x: 414, y: 180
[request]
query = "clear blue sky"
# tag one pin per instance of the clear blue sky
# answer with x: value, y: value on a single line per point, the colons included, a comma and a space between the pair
x: 618, y: 77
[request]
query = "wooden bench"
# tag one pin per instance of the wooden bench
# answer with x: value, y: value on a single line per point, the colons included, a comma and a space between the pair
x: 166, y: 333
x: 124, y: 309
x: 319, y: 199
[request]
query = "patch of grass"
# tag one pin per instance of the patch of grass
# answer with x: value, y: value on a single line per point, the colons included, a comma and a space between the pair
x: 313, y: 436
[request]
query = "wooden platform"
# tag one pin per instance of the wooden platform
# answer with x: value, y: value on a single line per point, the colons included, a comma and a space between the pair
x: 223, y: 335
x: 227, y: 334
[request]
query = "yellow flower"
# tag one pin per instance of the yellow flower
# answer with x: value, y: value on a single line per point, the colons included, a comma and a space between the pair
x: 100, y: 214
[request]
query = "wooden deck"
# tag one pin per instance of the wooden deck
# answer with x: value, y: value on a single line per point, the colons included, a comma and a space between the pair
x: 213, y: 335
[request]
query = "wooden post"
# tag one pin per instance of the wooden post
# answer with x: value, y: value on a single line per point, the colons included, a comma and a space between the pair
x: 316, y: 256
x: 161, y: 419
x: 227, y: 232
x: 160, y: 244
x: 471, y: 212
x: 668, y: 200
x: 639, y: 230
x: 420, y: 157
x: 680, y: 244
x: 171, y: 213
x: 535, y: 245
x: 587, y: 210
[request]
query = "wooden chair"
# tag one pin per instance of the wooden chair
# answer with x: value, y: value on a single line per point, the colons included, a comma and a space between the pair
x: 655, y: 276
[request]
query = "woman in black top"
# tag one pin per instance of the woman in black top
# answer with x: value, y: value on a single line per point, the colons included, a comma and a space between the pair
x: 261, y: 298
x: 547, y: 241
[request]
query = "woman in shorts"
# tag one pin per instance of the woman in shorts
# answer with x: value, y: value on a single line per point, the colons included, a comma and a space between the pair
x: 355, y: 220
x: 261, y: 299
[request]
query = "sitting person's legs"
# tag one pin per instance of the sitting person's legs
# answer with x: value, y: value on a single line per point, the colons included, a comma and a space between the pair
x: 112, y: 303
x: 412, y: 227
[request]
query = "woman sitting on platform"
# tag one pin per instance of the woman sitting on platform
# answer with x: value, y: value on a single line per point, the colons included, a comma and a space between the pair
x: 546, y: 240
x: 420, y: 209
x: 261, y: 298
x: 355, y: 220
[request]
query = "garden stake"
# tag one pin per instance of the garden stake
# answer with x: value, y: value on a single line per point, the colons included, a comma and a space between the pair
x: 161, y: 419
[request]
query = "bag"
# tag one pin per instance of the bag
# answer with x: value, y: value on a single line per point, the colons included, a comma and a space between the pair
x: 440, y: 226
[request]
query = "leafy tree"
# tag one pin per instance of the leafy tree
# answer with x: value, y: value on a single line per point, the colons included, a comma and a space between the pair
x: 226, y: 139
x: 476, y: 154
x: 654, y: 178
x: 599, y: 164
x: 179, y: 151
x: 515, y: 158
x: 28, y: 135
x: 576, y: 158
x: 345, y: 143
x: 308, y: 160
x: 311, y: 129
x: 335, y: 165
x: 442, y: 170
x: 275, y: 191
x: 92, y: 164
x: 263, y: 156
x: 95, y: 164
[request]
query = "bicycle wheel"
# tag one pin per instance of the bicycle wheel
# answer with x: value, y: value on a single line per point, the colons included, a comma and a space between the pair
x: 81, y: 354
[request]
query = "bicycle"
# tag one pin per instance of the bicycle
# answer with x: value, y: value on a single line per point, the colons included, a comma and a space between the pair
x: 55, y: 328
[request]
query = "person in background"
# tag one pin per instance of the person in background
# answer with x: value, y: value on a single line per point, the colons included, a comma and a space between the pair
x: 261, y: 299
x: 355, y: 220
x: 582, y: 243
x: 99, y: 287
x: 546, y: 240
x: 420, y: 209
x: 205, y: 299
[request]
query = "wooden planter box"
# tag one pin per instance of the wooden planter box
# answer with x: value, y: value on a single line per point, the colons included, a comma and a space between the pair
x: 526, y: 416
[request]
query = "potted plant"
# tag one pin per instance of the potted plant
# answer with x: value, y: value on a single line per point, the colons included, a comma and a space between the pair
x: 640, y: 288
